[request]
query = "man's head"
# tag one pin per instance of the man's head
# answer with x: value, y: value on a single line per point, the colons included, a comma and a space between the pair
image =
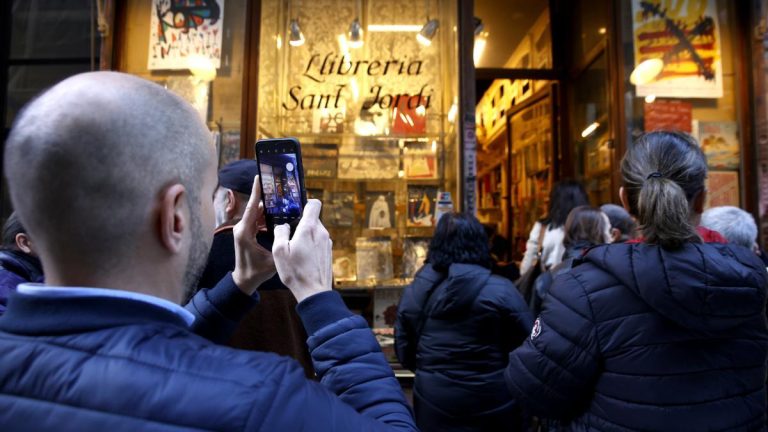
x: 733, y: 223
x: 15, y: 236
x: 235, y: 185
x: 623, y: 227
x: 113, y: 177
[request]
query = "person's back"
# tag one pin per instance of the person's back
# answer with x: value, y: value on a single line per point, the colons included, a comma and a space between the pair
x: 118, y: 202
x: 663, y: 333
x: 455, y: 328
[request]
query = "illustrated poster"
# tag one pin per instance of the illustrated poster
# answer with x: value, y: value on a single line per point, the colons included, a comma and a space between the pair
x: 722, y: 189
x: 380, y: 210
x: 686, y: 36
x: 720, y: 142
x: 422, y: 201
x: 420, y: 160
x: 182, y: 28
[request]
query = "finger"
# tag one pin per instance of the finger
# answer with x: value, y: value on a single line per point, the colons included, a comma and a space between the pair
x: 251, y: 214
x: 311, y: 216
x: 280, y: 245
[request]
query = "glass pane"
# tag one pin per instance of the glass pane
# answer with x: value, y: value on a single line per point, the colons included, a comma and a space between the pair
x: 515, y: 34
x: 590, y: 29
x: 377, y: 123
x: 514, y: 157
x: 219, y: 101
x: 25, y: 82
x: 593, y: 150
x: 694, y: 91
x: 51, y: 29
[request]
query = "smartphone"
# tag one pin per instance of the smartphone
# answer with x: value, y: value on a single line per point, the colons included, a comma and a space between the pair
x: 282, y: 181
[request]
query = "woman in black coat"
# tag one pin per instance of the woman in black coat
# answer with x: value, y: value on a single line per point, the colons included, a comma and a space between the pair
x: 666, y: 332
x: 456, y: 324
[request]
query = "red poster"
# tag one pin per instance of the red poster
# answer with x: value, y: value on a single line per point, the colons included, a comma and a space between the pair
x: 723, y: 189
x: 672, y: 115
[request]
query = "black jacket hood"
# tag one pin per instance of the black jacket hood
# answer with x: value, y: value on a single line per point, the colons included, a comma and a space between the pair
x: 699, y: 286
x: 458, y: 290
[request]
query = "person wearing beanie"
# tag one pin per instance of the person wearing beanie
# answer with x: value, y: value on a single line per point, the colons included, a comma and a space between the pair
x: 273, y: 325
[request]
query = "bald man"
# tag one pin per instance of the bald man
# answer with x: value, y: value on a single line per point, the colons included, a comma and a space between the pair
x: 114, y: 178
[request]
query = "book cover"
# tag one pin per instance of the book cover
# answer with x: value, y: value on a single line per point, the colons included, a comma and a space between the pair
x: 380, y: 210
x: 720, y: 143
x: 420, y: 160
x: 374, y: 259
x: 421, y: 206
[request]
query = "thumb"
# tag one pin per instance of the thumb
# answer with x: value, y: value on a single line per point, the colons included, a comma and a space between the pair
x: 281, y: 245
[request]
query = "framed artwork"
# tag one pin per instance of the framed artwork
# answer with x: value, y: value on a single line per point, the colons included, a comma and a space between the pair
x: 420, y: 160
x: 720, y: 143
x: 385, y: 301
x: 182, y: 29
x: 340, y: 209
x: 380, y: 210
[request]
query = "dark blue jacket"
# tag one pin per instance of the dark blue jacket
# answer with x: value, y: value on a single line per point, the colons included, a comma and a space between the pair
x: 471, y: 321
x: 636, y: 337
x: 104, y: 364
x: 15, y: 268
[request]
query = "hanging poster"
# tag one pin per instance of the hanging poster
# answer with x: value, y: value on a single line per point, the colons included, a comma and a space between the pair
x: 720, y: 142
x: 686, y: 36
x: 722, y: 189
x: 674, y: 115
x: 182, y: 28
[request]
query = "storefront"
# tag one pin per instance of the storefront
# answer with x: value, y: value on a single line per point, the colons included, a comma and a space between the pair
x: 625, y: 68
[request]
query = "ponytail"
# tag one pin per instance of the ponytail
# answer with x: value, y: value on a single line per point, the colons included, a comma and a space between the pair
x: 663, y: 172
x: 664, y: 214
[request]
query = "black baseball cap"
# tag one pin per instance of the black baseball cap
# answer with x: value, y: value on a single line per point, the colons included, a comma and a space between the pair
x: 238, y: 175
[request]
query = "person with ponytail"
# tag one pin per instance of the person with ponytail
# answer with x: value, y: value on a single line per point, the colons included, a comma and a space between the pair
x: 666, y: 332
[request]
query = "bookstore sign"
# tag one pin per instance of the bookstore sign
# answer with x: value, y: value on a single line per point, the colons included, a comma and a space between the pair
x: 330, y: 94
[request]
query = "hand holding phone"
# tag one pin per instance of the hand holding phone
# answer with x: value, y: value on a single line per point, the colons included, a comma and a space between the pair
x: 304, y: 262
x: 282, y: 181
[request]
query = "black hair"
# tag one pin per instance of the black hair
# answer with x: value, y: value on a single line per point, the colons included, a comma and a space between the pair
x: 459, y: 238
x: 11, y: 228
x: 663, y: 172
x: 565, y: 196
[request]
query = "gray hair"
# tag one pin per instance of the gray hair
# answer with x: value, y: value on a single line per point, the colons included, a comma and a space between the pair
x: 736, y: 225
x: 663, y: 172
x: 86, y: 160
x: 621, y: 220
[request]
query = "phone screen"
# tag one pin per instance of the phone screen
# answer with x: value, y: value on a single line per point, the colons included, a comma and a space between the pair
x: 282, y: 190
x: 282, y: 181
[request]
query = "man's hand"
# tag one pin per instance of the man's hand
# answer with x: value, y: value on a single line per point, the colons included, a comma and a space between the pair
x: 253, y: 264
x: 304, y: 262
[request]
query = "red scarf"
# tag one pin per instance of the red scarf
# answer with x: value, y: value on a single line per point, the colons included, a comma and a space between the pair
x: 707, y: 235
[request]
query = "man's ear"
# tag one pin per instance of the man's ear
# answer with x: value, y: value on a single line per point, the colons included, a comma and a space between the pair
x: 623, y: 198
x: 24, y: 243
x: 231, y: 201
x: 173, y: 219
x: 615, y: 234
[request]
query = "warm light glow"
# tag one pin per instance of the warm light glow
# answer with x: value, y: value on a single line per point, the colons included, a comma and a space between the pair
x: 479, y: 49
x: 356, y: 44
x: 646, y: 71
x: 343, y: 45
x: 401, y: 173
x: 382, y: 28
x: 422, y: 40
x: 355, y: 89
x: 297, y: 42
x: 434, y: 146
x: 453, y: 112
x: 279, y: 40
x: 602, y: 30
x: 355, y: 34
x: 589, y: 130
x: 420, y: 110
x: 650, y: 98
x: 201, y: 67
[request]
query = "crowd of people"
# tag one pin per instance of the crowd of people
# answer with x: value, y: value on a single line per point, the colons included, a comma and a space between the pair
x: 166, y: 305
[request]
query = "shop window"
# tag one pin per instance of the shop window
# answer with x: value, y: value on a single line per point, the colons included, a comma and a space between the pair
x: 377, y: 124
x: 681, y: 75
x: 512, y: 35
x: 590, y: 27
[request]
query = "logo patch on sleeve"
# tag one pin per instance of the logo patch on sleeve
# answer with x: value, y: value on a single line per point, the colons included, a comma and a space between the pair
x: 536, y: 330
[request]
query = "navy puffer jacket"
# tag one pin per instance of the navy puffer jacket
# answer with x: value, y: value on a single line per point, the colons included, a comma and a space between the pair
x: 636, y: 337
x: 471, y: 321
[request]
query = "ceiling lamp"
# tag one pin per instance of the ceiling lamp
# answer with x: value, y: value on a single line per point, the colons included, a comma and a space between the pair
x: 297, y: 37
x: 646, y: 71
x: 355, y: 34
x: 428, y: 32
